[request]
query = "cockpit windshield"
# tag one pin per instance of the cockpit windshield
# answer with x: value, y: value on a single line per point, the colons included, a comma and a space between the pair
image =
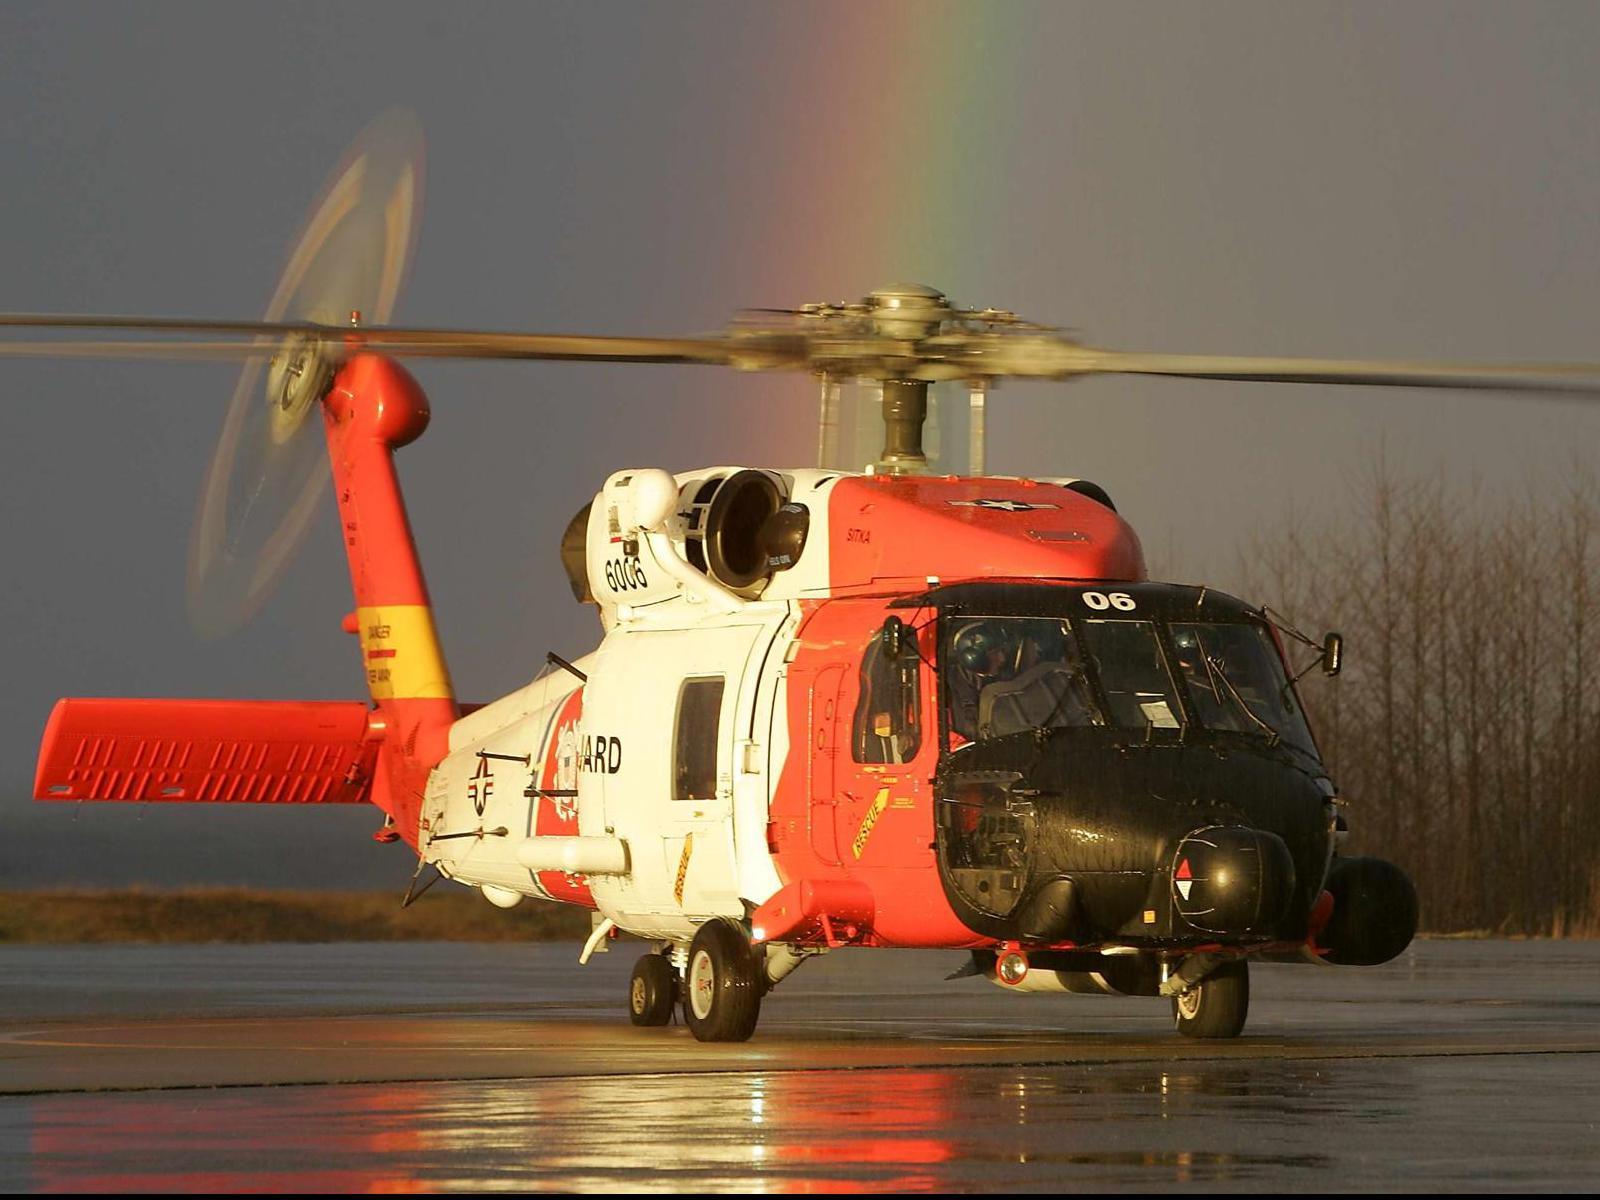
x: 1013, y: 674
x: 1236, y: 681
x: 1137, y: 685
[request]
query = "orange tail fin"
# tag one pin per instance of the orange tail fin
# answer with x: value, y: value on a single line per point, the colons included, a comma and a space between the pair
x: 227, y: 751
x: 375, y: 407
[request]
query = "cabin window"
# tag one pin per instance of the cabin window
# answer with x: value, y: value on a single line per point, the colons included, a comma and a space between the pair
x: 694, y: 755
x: 888, y: 722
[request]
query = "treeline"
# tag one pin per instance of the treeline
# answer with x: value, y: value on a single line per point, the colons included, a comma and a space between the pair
x: 445, y: 914
x: 1465, y: 729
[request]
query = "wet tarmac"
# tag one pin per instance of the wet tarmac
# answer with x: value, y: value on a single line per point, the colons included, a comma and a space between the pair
x: 1463, y: 1066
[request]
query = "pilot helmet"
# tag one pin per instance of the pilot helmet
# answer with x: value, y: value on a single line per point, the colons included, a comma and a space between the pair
x: 972, y: 644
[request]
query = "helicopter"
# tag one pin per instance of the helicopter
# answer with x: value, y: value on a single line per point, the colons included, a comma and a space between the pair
x: 901, y: 703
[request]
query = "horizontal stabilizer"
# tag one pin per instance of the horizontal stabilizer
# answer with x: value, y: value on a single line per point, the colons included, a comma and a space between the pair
x: 226, y: 751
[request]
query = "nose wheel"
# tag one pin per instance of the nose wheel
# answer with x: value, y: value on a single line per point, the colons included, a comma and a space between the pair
x: 1215, y: 1007
x: 653, y: 991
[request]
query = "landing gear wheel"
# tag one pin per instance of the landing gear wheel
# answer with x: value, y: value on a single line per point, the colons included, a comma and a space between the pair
x: 721, y: 984
x: 653, y: 991
x: 1216, y: 1006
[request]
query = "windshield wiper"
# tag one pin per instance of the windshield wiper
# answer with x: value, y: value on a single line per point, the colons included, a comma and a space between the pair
x: 1215, y: 672
x: 1083, y: 698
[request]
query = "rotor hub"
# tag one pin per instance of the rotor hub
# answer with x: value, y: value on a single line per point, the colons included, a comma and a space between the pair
x: 908, y: 310
x: 298, y: 377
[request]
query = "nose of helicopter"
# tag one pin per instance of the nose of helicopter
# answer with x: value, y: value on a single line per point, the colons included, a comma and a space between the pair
x: 1232, y: 879
x: 1087, y: 838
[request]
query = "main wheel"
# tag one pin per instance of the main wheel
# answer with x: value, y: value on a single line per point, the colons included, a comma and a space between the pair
x: 653, y: 991
x: 722, y: 984
x: 1216, y: 1006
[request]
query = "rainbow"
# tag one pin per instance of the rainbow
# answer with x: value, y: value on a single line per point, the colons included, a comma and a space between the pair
x: 888, y: 166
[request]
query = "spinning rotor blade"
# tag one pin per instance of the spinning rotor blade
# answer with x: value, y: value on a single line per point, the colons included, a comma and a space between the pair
x: 1075, y: 360
x: 903, y: 338
x: 953, y: 345
x: 195, y: 351
x: 269, y: 471
x: 336, y: 341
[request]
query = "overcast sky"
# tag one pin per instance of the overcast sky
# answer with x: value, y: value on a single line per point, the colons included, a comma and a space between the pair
x: 1417, y: 180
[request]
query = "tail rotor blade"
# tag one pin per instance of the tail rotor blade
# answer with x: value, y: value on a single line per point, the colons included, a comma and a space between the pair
x: 269, y: 472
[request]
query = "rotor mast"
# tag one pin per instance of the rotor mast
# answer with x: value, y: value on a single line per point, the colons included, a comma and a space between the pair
x: 910, y: 312
x: 905, y: 411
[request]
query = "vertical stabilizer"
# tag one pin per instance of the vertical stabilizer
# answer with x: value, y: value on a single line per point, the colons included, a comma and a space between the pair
x: 375, y: 407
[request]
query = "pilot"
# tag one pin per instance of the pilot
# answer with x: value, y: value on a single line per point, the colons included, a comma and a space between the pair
x: 1050, y: 688
x: 982, y: 652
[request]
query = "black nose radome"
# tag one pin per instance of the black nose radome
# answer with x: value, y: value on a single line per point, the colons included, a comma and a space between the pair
x: 1232, y: 879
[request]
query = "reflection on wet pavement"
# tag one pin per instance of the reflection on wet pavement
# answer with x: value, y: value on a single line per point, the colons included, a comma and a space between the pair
x: 1463, y: 1067
x: 1417, y: 1123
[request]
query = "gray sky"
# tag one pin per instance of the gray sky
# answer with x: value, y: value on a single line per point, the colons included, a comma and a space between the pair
x: 1413, y: 180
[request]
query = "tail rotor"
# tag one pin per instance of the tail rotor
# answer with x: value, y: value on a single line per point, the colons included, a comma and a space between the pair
x: 269, y: 472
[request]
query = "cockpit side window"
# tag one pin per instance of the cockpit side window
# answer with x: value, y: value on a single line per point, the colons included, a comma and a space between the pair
x: 888, y: 720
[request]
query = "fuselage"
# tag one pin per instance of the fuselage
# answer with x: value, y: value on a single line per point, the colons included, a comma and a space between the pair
x: 763, y: 749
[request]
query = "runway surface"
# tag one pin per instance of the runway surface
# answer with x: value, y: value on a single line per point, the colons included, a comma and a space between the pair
x: 1464, y: 1065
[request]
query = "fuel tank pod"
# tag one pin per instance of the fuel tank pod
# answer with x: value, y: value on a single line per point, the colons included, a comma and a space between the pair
x: 1231, y: 879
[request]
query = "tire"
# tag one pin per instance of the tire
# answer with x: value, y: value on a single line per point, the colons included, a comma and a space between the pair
x: 721, y: 984
x: 653, y: 991
x: 1216, y: 1006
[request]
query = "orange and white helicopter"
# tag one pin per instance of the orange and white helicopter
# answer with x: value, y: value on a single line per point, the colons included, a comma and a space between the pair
x: 898, y: 707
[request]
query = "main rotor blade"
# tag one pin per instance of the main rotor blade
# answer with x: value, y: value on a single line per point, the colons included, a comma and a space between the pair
x: 197, y: 351
x: 262, y: 337
x: 1570, y: 378
x: 445, y: 343
x: 846, y: 351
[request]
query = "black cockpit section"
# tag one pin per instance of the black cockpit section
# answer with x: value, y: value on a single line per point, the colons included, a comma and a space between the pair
x: 1090, y: 735
x: 1158, y: 659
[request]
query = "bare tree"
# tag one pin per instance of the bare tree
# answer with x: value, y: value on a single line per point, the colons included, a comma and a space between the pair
x: 1465, y: 731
